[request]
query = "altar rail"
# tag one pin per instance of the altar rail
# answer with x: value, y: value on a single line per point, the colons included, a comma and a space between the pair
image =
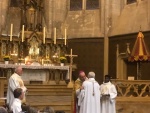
x: 132, y: 88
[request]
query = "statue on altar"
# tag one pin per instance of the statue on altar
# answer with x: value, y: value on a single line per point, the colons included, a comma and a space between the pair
x: 34, y: 47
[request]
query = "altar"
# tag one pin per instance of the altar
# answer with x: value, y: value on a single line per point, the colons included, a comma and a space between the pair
x: 49, y: 74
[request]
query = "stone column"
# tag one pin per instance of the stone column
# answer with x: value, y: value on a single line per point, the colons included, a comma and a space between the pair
x: 148, y: 11
x: 106, y: 31
x: 48, y: 9
x: 0, y: 16
x: 102, y: 16
x: 122, y: 4
x: 4, y: 4
x: 117, y: 62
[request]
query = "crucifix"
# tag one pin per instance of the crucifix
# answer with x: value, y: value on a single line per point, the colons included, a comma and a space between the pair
x: 70, y: 85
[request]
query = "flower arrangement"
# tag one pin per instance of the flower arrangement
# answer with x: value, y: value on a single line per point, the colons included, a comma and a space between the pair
x: 62, y: 59
x: 6, y: 58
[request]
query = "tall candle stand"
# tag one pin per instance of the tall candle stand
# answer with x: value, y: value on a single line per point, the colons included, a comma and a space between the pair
x: 63, y: 50
x: 55, y: 54
x: 10, y: 44
x: 21, y: 52
x: 43, y: 50
x: 47, y: 52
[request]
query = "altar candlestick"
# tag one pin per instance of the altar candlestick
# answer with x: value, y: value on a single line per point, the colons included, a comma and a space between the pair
x: 54, y: 35
x: 11, y: 31
x: 44, y: 35
x: 65, y: 35
x: 22, y: 33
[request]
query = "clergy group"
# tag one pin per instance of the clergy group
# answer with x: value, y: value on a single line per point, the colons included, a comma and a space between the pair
x: 91, y: 97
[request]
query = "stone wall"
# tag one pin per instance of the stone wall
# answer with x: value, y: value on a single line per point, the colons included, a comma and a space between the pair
x: 83, y: 24
x: 3, y: 13
x: 132, y: 17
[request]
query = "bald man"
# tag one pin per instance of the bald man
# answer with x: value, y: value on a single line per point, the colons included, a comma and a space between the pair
x: 78, y: 83
x: 78, y: 86
x: 15, y: 81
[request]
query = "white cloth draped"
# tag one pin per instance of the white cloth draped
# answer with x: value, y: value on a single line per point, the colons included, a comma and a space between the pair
x: 109, y: 93
x: 16, y: 106
x: 88, y: 102
x: 15, y: 81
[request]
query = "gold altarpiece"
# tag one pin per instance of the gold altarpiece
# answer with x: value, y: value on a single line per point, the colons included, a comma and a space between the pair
x: 32, y: 48
x: 36, y: 58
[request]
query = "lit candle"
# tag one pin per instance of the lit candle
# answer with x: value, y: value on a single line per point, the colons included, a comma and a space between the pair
x: 44, y: 35
x: 65, y: 35
x: 54, y: 35
x: 11, y: 30
x: 22, y: 37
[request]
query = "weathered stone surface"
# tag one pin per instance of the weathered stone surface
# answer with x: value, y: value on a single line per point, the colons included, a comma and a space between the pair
x: 83, y: 24
x: 121, y: 18
x: 3, y: 13
x: 131, y: 18
x: 55, y: 13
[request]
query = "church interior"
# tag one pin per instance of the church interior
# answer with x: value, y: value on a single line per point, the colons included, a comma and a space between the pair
x: 54, y: 39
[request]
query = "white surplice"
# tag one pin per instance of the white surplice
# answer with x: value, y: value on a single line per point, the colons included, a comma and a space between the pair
x: 16, y: 106
x: 15, y: 81
x: 109, y: 93
x: 89, y: 98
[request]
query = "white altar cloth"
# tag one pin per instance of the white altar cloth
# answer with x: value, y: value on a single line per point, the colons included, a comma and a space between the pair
x: 34, y: 67
x: 40, y: 73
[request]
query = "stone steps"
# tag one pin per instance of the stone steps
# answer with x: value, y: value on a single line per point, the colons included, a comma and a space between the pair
x: 57, y: 96
x: 51, y: 90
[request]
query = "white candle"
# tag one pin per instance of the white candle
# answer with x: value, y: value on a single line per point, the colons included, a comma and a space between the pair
x: 11, y: 31
x: 71, y: 52
x: 65, y: 35
x: 22, y: 37
x: 54, y: 35
x: 83, y: 4
x: 44, y: 35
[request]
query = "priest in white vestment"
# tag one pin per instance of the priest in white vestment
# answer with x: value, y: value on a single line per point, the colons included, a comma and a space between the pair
x: 108, y: 95
x: 15, y: 81
x: 89, y: 99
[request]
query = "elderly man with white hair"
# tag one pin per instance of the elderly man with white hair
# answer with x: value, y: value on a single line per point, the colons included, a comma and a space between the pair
x: 15, y: 81
x: 89, y: 99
